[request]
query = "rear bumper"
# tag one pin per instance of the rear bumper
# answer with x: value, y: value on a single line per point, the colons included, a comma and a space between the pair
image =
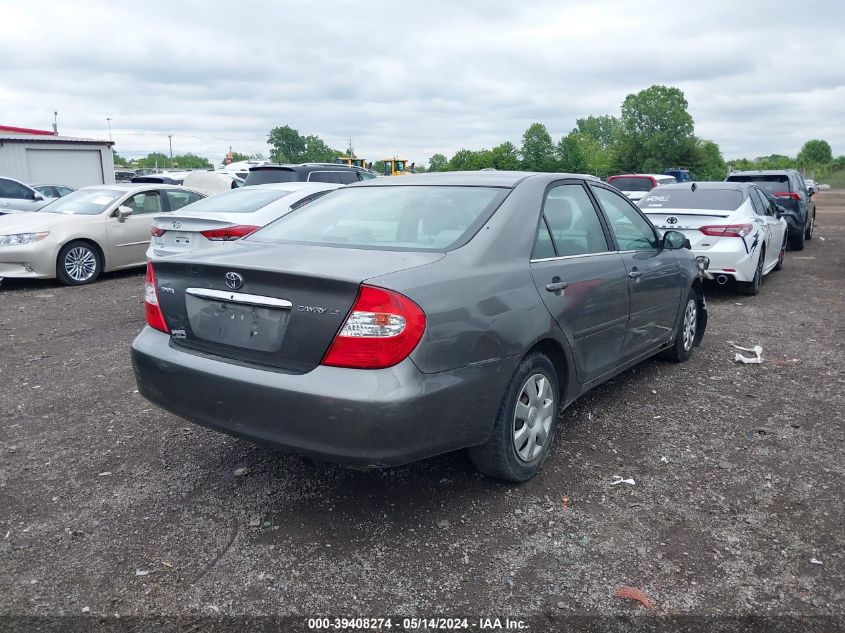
x: 729, y: 257
x: 366, y: 417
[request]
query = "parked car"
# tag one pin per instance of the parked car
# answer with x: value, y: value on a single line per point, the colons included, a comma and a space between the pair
x: 734, y: 225
x: 635, y: 186
x: 789, y: 187
x: 164, y: 178
x: 53, y: 191
x: 216, y: 221
x: 811, y: 185
x: 124, y: 175
x: 679, y: 174
x: 93, y: 229
x: 16, y: 196
x: 400, y: 318
x: 211, y: 182
x: 307, y: 172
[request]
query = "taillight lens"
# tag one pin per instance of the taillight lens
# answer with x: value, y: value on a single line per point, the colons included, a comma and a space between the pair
x: 790, y: 195
x: 727, y: 230
x: 382, y: 329
x: 229, y: 233
x: 155, y: 317
x: 156, y: 231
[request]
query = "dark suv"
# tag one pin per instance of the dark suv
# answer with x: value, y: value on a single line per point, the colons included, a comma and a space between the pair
x: 307, y: 172
x: 788, y: 186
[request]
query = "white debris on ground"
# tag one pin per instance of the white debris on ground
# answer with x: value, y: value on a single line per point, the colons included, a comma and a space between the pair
x: 619, y: 480
x: 757, y: 350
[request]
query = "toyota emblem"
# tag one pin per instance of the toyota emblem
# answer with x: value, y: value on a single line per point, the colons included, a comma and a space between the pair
x: 234, y: 280
x: 671, y: 220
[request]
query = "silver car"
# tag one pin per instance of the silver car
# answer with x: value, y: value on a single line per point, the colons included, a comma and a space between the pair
x: 80, y: 235
x: 398, y: 318
x: 228, y: 216
x: 16, y: 197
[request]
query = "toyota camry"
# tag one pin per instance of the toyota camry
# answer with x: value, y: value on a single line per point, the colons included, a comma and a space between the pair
x: 400, y: 318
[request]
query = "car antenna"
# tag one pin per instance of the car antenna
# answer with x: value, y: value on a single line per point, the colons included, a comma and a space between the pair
x: 694, y: 187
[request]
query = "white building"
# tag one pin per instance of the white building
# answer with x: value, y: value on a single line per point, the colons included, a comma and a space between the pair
x: 41, y: 157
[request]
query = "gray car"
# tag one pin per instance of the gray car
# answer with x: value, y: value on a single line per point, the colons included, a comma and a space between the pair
x: 400, y: 318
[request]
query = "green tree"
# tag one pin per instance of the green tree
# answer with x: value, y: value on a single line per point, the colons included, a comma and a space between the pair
x: 656, y: 130
x: 470, y: 160
x: 815, y: 152
x: 570, y: 157
x: 288, y: 145
x: 316, y: 151
x: 504, y: 157
x: 119, y: 161
x: 538, y: 150
x: 604, y: 129
x: 438, y: 162
x: 706, y: 161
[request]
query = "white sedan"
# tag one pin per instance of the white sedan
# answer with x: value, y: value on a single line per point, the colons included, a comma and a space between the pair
x: 733, y: 224
x: 229, y: 216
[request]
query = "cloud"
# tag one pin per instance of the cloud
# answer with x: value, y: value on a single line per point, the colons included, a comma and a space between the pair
x: 415, y: 79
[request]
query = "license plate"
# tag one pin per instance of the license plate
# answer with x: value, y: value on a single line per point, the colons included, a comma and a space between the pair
x: 182, y: 239
x: 235, y: 324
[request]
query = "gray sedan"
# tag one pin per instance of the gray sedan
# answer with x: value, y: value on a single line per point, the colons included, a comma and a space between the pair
x: 400, y: 318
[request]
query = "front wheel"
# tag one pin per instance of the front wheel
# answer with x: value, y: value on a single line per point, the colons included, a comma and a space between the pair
x: 525, y: 425
x: 78, y: 263
x: 752, y: 287
x: 681, y: 349
x: 782, y: 254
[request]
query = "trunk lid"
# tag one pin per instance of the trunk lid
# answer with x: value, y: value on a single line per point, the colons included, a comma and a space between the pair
x: 287, y: 303
x: 183, y: 233
x: 688, y: 221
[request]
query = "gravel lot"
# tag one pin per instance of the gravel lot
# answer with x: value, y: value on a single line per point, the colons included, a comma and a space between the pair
x: 110, y: 505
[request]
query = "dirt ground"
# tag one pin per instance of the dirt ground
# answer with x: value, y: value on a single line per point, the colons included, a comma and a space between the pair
x: 114, y: 511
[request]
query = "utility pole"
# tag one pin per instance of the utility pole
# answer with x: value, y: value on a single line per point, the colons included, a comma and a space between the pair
x: 170, y: 140
x: 108, y: 118
x: 55, y: 122
x: 350, y: 150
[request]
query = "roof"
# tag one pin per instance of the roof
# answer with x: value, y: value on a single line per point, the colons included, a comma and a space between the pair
x: 481, y: 178
x: 640, y: 176
x: 132, y: 186
x: 9, y: 129
x: 761, y: 172
x: 52, y: 138
x: 709, y: 186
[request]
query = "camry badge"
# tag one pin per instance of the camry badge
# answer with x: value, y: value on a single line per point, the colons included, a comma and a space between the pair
x: 234, y: 280
x: 671, y: 220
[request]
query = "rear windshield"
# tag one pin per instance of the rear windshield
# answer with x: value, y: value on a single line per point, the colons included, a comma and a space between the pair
x: 413, y: 218
x: 84, y: 202
x: 715, y: 199
x: 631, y: 183
x: 770, y: 184
x: 266, y: 176
x: 244, y: 200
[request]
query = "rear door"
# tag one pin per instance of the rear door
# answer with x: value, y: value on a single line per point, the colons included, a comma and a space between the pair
x: 760, y: 219
x: 775, y: 228
x: 654, y: 276
x: 581, y: 280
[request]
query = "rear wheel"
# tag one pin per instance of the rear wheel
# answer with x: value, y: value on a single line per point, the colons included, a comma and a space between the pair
x: 808, y: 233
x: 796, y: 242
x: 782, y: 254
x: 78, y: 263
x: 525, y: 425
x: 753, y: 287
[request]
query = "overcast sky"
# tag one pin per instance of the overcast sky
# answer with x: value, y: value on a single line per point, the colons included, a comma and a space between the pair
x: 415, y: 78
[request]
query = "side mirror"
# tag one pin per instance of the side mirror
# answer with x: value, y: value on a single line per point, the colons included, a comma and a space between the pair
x: 37, y: 196
x: 675, y: 240
x: 123, y: 213
x: 811, y: 191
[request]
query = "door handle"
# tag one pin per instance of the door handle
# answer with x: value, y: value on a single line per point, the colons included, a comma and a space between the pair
x: 557, y: 286
x: 634, y: 274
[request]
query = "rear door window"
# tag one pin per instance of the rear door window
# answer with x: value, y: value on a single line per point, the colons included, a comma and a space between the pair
x: 322, y: 176
x: 11, y: 189
x: 573, y: 221
x: 347, y: 177
x: 179, y: 199
x: 543, y: 246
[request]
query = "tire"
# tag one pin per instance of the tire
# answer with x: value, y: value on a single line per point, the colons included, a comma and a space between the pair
x: 519, y: 446
x: 685, y: 340
x: 752, y: 287
x: 782, y: 254
x: 796, y: 242
x: 808, y: 232
x: 78, y: 263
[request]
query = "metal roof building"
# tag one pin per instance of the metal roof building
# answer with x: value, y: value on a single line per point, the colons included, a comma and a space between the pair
x: 40, y: 156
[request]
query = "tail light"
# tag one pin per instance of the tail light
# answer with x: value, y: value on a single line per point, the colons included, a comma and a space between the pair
x: 155, y: 317
x: 382, y: 329
x: 790, y: 195
x: 727, y: 230
x: 229, y: 233
x: 157, y: 232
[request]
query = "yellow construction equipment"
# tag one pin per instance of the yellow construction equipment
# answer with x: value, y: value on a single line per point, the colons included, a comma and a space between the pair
x: 397, y: 167
x: 351, y: 161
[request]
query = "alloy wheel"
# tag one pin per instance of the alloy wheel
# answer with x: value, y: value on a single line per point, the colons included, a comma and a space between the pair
x: 533, y: 417
x: 690, y: 323
x: 80, y: 264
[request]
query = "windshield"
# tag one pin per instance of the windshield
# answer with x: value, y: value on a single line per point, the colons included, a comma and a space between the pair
x: 770, y: 183
x: 714, y: 199
x: 84, y: 202
x: 266, y: 176
x: 245, y: 200
x: 417, y: 218
x: 631, y: 183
